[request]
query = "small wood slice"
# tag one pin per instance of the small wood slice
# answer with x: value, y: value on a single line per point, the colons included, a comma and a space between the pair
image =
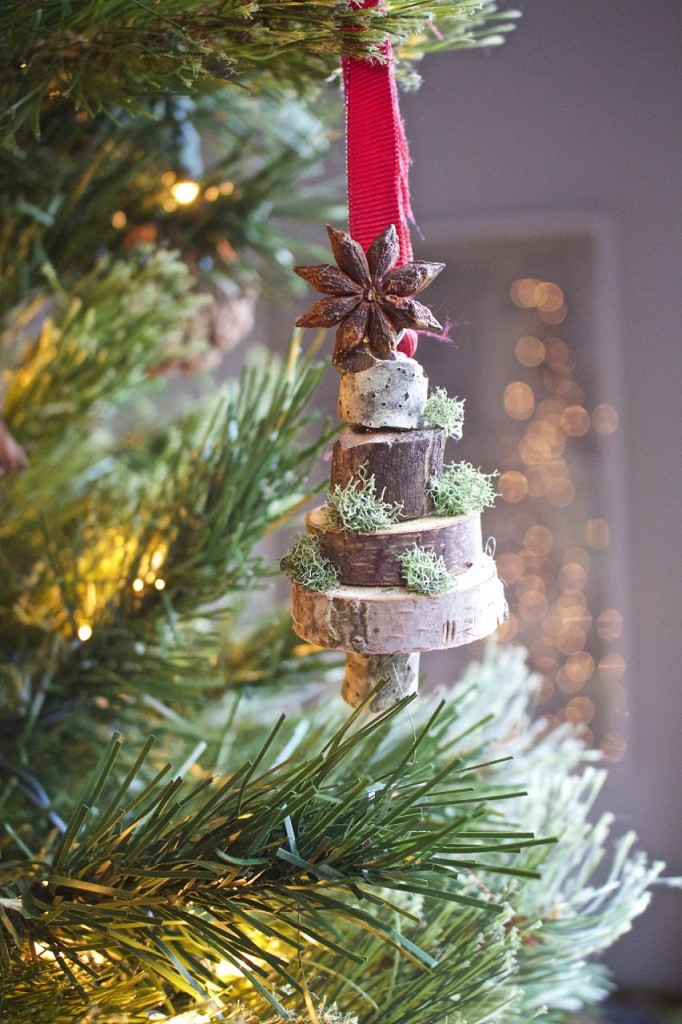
x: 392, y: 620
x: 391, y: 393
x: 402, y: 464
x: 371, y: 559
x: 398, y: 672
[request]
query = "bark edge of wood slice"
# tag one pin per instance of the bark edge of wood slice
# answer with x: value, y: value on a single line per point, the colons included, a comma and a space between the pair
x: 371, y: 559
x: 401, y: 462
x: 394, y: 620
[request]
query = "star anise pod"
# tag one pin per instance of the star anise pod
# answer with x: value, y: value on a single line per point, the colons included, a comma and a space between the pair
x: 368, y: 299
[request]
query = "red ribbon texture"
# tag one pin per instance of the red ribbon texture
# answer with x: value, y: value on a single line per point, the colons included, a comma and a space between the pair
x: 377, y: 156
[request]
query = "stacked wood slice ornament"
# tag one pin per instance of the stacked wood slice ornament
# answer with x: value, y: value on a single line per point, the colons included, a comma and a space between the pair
x: 387, y: 458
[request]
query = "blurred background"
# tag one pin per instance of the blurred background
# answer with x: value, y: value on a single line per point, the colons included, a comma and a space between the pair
x: 546, y: 174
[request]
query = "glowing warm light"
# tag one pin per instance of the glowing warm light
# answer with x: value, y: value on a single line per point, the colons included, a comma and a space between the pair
x: 566, y: 684
x: 548, y: 297
x: 605, y: 419
x: 597, y: 533
x: 169, y: 205
x: 551, y: 411
x: 519, y: 401
x: 118, y: 219
x: 156, y: 561
x: 185, y: 192
x: 226, y: 188
x: 523, y: 291
x: 571, y: 640
x: 579, y: 667
x: 211, y: 193
x: 167, y: 178
x: 575, y: 420
x: 529, y: 351
x: 224, y: 970
x: 538, y: 540
x: 584, y: 708
x: 572, y: 577
x: 43, y: 951
x: 138, y: 585
x: 610, y: 624
x: 553, y: 316
x: 160, y: 584
x: 558, y: 353
x: 513, y: 486
x: 84, y: 632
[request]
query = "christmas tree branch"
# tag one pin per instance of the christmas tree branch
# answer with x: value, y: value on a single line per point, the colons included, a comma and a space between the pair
x: 176, y: 879
x: 102, y: 185
x: 108, y: 56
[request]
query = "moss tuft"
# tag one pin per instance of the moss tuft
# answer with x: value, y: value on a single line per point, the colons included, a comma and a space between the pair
x: 444, y: 412
x: 426, y: 572
x: 306, y: 566
x: 358, y: 508
x: 461, y: 490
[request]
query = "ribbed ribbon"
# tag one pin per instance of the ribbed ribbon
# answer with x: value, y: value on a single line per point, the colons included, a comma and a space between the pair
x: 377, y: 156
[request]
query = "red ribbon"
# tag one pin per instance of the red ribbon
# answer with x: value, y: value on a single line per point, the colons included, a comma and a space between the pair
x: 377, y: 156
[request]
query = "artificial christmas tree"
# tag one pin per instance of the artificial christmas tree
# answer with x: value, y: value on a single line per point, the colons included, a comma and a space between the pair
x: 241, y: 866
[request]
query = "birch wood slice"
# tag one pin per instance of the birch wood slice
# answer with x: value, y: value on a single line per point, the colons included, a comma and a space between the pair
x: 402, y: 464
x: 393, y: 620
x: 391, y: 393
x: 371, y: 559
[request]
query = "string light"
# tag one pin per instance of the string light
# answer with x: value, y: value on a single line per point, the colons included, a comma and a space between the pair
x: 84, y: 632
x: 185, y: 192
x: 545, y: 566
x: 138, y: 585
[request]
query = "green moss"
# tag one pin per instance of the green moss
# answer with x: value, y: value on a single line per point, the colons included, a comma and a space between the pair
x: 426, y: 572
x: 444, y: 412
x: 306, y: 566
x: 358, y: 508
x: 462, y: 489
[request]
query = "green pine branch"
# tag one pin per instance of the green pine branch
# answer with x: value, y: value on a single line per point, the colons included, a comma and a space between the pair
x: 99, y: 185
x: 103, y: 57
x: 396, y: 807
x: 113, y: 547
x: 172, y: 880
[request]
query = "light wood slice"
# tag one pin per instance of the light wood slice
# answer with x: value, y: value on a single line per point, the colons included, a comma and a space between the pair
x: 391, y: 393
x: 393, y: 620
x: 402, y: 464
x: 371, y: 559
x: 398, y: 672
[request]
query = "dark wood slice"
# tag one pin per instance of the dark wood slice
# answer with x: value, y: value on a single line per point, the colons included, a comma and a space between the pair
x: 392, y: 620
x: 402, y: 463
x: 371, y: 559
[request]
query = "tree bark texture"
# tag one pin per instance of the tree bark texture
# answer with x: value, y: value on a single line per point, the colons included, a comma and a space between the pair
x: 398, y: 672
x: 402, y: 464
x: 371, y: 559
x: 392, y: 620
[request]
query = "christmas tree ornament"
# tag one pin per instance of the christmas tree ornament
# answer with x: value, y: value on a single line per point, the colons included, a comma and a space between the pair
x: 400, y: 577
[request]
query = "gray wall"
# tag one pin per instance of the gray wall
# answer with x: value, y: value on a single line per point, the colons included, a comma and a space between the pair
x: 579, y: 114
